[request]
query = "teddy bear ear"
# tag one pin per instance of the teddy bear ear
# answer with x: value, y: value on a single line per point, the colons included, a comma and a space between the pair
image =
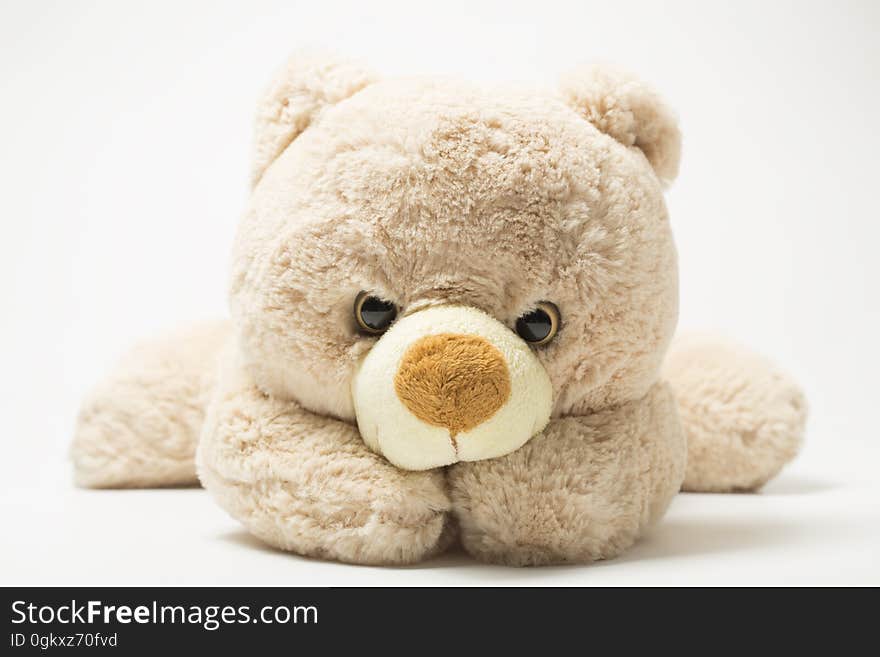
x: 626, y: 109
x: 301, y: 89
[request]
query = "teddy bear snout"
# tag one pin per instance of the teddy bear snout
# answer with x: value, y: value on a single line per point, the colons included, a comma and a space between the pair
x: 453, y: 381
x: 448, y: 384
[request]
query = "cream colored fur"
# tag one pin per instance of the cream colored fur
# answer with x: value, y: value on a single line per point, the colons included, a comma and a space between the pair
x: 743, y: 417
x: 432, y: 192
x: 583, y: 489
x: 307, y: 483
x: 140, y: 426
x: 388, y: 427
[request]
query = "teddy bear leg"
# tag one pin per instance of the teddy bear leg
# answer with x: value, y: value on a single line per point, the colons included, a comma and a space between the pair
x: 744, y: 419
x: 140, y: 426
x: 583, y: 489
x: 308, y: 483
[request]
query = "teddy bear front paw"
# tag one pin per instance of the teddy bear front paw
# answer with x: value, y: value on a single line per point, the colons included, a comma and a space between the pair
x: 308, y: 483
x: 583, y: 490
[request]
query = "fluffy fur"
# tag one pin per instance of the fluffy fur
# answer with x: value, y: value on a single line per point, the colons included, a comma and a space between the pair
x: 140, y: 426
x: 744, y: 418
x: 386, y: 418
x: 433, y: 192
x: 583, y: 489
x: 307, y: 483
x: 453, y: 381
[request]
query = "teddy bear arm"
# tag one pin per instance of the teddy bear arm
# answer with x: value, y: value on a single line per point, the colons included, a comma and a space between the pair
x: 307, y: 483
x: 584, y: 489
x: 743, y: 417
x: 139, y: 427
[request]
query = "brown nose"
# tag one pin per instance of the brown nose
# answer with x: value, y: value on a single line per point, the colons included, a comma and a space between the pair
x: 453, y: 381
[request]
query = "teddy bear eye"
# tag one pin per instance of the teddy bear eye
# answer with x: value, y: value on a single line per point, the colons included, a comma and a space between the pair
x: 540, y: 325
x: 373, y: 314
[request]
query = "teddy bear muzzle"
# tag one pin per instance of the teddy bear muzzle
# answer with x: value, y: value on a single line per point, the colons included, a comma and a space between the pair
x: 447, y: 384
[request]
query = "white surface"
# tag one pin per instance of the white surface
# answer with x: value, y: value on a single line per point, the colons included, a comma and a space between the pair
x: 125, y: 131
x: 801, y: 530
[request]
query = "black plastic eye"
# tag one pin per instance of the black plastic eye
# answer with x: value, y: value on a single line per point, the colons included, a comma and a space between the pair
x: 372, y: 314
x: 539, y: 326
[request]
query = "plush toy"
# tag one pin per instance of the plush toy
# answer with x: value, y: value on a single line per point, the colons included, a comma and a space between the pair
x: 451, y: 311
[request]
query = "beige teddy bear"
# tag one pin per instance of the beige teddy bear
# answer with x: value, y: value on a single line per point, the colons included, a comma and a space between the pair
x: 451, y: 310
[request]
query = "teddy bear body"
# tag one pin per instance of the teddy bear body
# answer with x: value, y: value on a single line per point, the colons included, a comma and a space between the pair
x: 468, y: 206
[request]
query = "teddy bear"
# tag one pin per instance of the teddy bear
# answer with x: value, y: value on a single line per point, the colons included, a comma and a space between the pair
x: 452, y: 318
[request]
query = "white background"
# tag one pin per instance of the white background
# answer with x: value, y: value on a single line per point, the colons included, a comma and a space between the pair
x: 124, y: 138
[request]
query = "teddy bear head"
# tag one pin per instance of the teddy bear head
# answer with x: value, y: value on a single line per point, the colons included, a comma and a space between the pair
x: 452, y: 265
